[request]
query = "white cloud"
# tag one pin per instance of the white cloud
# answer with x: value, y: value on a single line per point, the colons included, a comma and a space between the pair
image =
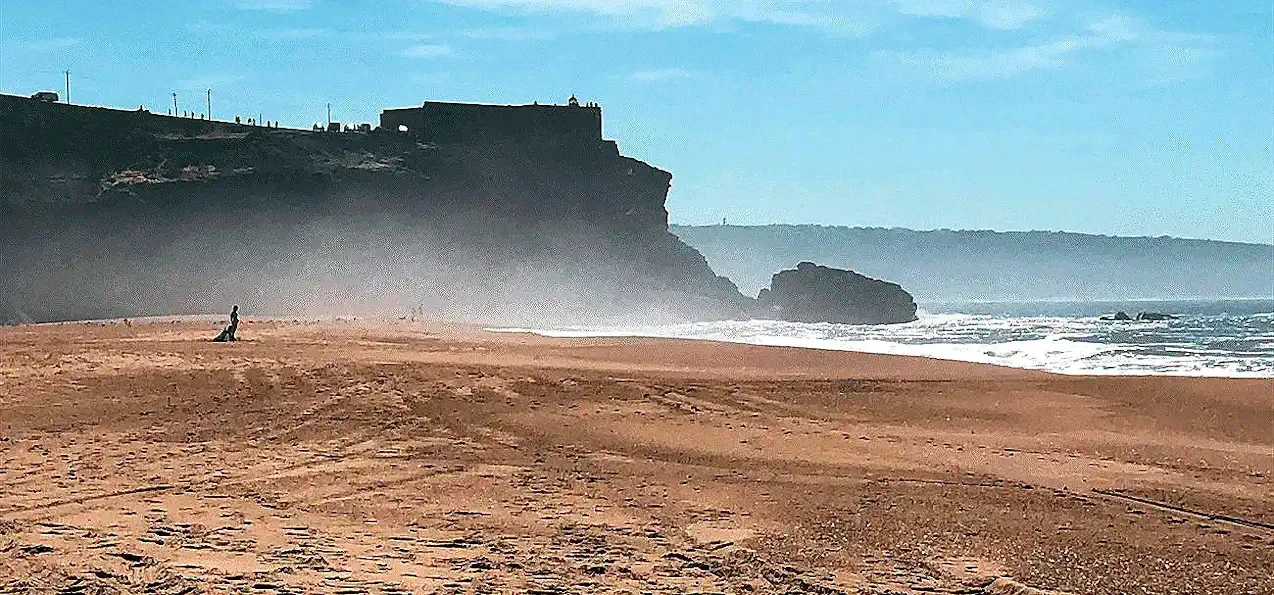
x: 428, y: 51
x: 947, y: 9
x: 986, y: 64
x: 1115, y: 29
x: 48, y: 45
x: 1160, y: 55
x: 274, y: 5
x: 1169, y: 57
x: 390, y: 36
x: 837, y: 15
x: 292, y: 33
x: 996, y: 14
x: 1008, y: 14
x: 857, y: 17
x: 661, y: 75
x: 509, y: 34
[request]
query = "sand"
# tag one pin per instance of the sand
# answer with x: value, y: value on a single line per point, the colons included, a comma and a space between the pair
x: 394, y: 457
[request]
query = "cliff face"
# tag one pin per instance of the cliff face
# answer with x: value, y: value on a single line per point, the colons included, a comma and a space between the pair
x: 110, y: 213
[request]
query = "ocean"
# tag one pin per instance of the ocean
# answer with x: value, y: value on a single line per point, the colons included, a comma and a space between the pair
x: 1225, y: 338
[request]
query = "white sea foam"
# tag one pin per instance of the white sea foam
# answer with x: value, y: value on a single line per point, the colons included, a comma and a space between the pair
x: 1220, y: 346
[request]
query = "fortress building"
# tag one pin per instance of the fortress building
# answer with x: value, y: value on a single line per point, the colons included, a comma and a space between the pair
x: 445, y: 123
x: 575, y: 124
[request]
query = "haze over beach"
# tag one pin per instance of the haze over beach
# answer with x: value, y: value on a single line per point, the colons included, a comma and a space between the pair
x: 375, y: 297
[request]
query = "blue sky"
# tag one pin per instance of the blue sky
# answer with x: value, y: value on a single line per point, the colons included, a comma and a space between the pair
x: 1106, y: 116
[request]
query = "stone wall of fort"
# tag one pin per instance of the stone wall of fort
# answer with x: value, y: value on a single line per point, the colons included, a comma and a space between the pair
x: 448, y: 123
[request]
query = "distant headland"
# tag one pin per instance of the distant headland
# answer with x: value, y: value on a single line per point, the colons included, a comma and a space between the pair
x: 978, y: 265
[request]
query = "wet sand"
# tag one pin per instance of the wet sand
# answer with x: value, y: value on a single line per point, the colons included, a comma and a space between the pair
x: 392, y: 457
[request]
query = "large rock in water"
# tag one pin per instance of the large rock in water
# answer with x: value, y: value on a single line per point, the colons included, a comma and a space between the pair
x: 814, y: 293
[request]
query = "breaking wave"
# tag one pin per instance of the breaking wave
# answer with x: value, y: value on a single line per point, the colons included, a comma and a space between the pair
x: 1210, y: 339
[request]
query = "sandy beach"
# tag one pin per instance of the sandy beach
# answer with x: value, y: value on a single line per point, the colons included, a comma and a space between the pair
x: 389, y: 457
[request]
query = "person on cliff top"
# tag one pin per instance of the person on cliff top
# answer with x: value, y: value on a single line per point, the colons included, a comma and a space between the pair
x: 227, y: 335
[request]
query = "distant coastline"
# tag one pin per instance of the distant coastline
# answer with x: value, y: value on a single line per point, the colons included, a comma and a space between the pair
x: 991, y: 266
x: 949, y: 230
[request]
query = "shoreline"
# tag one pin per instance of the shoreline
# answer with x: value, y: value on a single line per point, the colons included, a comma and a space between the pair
x: 895, y: 349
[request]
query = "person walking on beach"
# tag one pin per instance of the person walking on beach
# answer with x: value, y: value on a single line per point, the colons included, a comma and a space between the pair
x: 227, y: 335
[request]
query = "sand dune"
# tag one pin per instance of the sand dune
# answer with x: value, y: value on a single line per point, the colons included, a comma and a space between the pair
x: 390, y: 457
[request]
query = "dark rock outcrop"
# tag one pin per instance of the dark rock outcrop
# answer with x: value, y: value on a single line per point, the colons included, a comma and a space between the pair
x: 111, y: 213
x: 813, y: 293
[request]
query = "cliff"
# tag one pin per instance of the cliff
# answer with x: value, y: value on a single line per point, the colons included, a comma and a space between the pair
x: 813, y: 293
x: 112, y: 213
